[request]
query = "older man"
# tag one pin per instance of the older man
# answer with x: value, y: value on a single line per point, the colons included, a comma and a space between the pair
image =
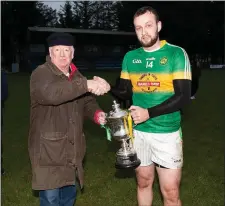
x: 60, y: 99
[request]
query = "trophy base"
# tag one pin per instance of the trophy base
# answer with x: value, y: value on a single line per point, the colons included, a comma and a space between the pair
x: 127, y: 162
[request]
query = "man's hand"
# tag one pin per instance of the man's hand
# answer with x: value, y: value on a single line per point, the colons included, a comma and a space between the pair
x: 102, y: 82
x: 101, y: 118
x: 97, y: 87
x: 139, y: 114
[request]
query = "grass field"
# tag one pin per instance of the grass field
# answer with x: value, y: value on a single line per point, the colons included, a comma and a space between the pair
x: 203, y: 131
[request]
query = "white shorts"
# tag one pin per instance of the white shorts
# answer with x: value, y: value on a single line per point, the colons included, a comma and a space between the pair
x: 164, y: 149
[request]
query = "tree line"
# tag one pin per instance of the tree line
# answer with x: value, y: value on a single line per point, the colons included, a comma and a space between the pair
x: 193, y: 25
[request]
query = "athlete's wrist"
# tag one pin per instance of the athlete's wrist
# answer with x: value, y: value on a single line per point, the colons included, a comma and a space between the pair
x: 149, y: 112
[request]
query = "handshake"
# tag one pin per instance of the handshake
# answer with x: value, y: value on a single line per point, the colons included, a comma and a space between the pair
x: 98, y: 86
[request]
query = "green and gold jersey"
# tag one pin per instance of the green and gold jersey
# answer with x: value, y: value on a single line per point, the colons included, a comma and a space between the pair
x: 152, y: 75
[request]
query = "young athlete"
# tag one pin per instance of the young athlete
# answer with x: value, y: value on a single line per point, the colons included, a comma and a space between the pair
x: 158, y: 78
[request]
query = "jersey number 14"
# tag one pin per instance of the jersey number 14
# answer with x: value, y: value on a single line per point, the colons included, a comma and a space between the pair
x: 149, y: 64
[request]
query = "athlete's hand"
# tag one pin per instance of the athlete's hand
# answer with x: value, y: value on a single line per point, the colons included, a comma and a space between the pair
x: 104, y: 84
x: 96, y: 87
x: 139, y: 114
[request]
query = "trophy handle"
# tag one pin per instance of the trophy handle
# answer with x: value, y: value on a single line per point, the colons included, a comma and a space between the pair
x: 130, y: 126
x: 126, y: 126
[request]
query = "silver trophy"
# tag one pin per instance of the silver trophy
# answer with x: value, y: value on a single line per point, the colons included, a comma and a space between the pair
x: 119, y: 125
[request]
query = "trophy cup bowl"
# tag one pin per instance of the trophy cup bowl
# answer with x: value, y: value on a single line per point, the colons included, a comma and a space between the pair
x: 117, y: 122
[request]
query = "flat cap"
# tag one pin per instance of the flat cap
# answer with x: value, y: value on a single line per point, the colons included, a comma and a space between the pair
x: 60, y: 38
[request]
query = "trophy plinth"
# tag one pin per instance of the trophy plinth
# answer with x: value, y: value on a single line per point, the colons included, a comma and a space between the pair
x: 121, y: 130
x: 126, y: 156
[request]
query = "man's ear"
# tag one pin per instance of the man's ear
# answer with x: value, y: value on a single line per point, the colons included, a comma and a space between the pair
x: 159, y: 24
x: 50, y: 51
x: 73, y: 51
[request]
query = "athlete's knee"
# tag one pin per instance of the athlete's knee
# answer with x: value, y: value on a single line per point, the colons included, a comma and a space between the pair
x: 144, y: 179
x: 170, y: 193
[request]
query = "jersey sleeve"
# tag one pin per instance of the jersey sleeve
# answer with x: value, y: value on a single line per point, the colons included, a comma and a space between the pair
x: 181, y: 65
x: 123, y: 87
x: 124, y: 73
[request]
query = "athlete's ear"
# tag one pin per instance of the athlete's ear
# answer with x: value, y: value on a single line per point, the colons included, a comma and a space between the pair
x: 159, y: 24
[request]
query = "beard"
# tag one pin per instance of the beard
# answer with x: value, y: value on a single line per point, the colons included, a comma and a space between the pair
x: 152, y: 40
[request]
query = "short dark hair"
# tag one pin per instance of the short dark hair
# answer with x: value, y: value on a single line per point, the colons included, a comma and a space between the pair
x: 145, y: 9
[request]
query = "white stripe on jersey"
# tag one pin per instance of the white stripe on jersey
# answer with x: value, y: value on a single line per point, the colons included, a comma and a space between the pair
x: 187, y: 67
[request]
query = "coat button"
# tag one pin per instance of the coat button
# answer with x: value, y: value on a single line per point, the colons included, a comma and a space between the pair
x: 71, y: 142
x: 70, y: 162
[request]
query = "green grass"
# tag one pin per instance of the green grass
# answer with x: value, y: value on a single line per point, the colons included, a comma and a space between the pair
x: 203, y: 131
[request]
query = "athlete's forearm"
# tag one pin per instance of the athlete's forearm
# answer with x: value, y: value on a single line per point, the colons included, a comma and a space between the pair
x: 122, y: 90
x: 182, y: 89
